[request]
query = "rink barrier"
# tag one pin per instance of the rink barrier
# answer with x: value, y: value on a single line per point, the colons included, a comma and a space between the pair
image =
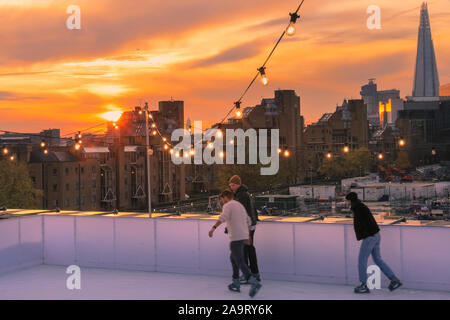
x: 305, y: 252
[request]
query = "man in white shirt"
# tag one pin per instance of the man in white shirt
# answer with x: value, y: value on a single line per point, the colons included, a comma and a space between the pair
x: 238, y: 223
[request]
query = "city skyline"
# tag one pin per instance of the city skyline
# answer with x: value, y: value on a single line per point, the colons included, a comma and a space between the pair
x: 68, y: 78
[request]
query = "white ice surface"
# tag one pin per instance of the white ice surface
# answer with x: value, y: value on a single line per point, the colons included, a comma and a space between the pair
x: 49, y: 282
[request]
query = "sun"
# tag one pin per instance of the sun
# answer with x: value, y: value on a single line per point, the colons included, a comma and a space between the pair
x: 112, y: 115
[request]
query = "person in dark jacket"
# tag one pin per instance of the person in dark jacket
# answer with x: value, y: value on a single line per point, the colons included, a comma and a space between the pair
x: 241, y: 195
x: 367, y: 230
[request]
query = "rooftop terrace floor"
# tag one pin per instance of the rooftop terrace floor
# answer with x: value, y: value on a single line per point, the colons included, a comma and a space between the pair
x: 49, y: 282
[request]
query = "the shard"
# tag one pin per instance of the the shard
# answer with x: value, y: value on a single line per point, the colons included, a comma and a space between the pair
x: 426, y: 80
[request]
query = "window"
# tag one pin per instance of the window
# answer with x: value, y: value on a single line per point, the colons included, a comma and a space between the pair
x: 82, y: 170
x: 94, y: 169
x: 67, y: 171
x: 94, y: 199
x: 67, y: 187
x: 94, y: 183
x: 67, y: 203
x: 55, y: 171
x: 55, y: 187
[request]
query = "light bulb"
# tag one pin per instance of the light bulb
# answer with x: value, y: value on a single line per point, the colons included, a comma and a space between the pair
x: 221, y: 154
x: 210, y: 145
x: 5, y: 151
x: 219, y: 133
x: 287, y: 153
x: 290, y: 31
x: 166, y: 147
x: 154, y: 132
x: 239, y: 113
x: 264, y: 80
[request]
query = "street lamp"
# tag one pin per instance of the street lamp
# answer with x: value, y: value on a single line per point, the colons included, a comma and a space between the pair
x: 147, y: 153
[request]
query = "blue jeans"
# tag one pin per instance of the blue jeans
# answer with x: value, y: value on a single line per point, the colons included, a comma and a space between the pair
x: 371, y: 245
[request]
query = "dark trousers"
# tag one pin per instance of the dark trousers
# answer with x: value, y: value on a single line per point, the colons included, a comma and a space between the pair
x: 237, y: 259
x: 250, y: 255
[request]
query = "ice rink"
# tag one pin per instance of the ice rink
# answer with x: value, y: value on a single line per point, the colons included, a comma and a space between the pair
x: 49, y: 282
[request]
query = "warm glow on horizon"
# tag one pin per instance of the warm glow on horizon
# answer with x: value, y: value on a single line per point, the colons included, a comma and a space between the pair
x: 112, y: 116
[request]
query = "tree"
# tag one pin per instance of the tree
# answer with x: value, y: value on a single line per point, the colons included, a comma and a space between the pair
x: 16, y: 187
x: 402, y: 161
x: 355, y: 163
x: 358, y: 162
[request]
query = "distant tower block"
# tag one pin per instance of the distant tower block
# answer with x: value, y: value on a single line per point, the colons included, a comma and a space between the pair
x: 426, y: 80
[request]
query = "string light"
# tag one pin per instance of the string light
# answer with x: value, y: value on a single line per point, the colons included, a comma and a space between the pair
x: 380, y: 156
x: 5, y: 150
x: 329, y: 155
x: 262, y: 72
x: 238, y: 109
x: 290, y: 31
x: 346, y: 149
x: 12, y: 158
x: 43, y: 144
x: 287, y: 153
x: 401, y: 142
x: 46, y: 151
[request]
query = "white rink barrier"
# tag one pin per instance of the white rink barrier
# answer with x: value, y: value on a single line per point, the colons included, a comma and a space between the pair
x: 307, y: 252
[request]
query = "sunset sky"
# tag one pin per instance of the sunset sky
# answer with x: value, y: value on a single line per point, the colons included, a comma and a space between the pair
x: 201, y: 51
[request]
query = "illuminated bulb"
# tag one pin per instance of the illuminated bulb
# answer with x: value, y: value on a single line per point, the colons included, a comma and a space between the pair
x: 380, y: 156
x: 153, y: 125
x: 77, y: 146
x: 279, y: 150
x: 186, y: 155
x: 402, y: 142
x: 150, y: 116
x: 210, y: 145
x: 221, y: 154
x: 177, y: 154
x: 12, y: 158
x: 171, y: 151
x: 154, y: 133
x: 45, y: 151
x: 43, y: 144
x: 329, y: 155
x: 346, y: 149
x: 192, y: 152
x: 287, y: 153
x: 164, y: 139
x: 166, y: 147
x: 290, y: 31
x: 5, y: 151
x: 140, y: 112
x: 219, y: 133
x: 262, y: 72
